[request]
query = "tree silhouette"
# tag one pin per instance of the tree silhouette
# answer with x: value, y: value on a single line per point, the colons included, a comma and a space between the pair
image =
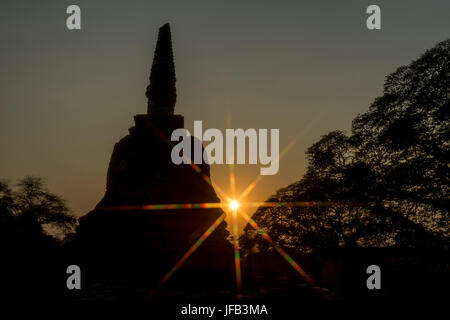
x: 404, y: 136
x: 31, y: 258
x: 6, y: 210
x: 388, y: 180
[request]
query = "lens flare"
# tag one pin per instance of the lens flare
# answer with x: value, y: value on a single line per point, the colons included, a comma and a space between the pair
x: 183, y: 259
x: 237, y: 256
x: 234, y: 205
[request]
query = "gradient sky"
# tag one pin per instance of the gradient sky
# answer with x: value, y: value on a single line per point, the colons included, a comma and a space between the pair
x: 305, y: 67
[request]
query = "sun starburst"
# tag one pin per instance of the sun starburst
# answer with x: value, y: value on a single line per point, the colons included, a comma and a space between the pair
x: 234, y: 204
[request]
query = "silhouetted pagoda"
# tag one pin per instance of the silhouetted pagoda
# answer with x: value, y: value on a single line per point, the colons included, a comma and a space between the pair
x: 119, y: 242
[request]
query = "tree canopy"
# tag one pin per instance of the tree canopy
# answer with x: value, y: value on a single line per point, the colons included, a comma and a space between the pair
x: 386, y: 183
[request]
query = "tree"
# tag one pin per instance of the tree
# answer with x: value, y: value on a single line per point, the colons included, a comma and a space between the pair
x: 405, y: 134
x: 6, y: 208
x: 31, y: 208
x: 387, y: 182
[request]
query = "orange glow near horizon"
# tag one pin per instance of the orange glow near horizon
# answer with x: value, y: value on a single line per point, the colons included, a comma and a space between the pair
x: 234, y: 205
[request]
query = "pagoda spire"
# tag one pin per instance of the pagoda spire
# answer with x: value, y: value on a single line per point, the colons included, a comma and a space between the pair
x: 161, y: 92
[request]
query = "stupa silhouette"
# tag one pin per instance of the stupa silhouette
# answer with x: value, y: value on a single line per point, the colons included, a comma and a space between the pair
x: 119, y: 242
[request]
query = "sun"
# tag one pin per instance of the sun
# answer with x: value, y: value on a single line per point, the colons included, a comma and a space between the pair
x: 234, y: 205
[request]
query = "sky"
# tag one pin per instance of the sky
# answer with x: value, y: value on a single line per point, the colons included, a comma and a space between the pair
x: 303, y: 67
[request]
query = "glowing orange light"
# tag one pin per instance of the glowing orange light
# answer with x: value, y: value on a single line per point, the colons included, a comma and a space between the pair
x: 234, y: 205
